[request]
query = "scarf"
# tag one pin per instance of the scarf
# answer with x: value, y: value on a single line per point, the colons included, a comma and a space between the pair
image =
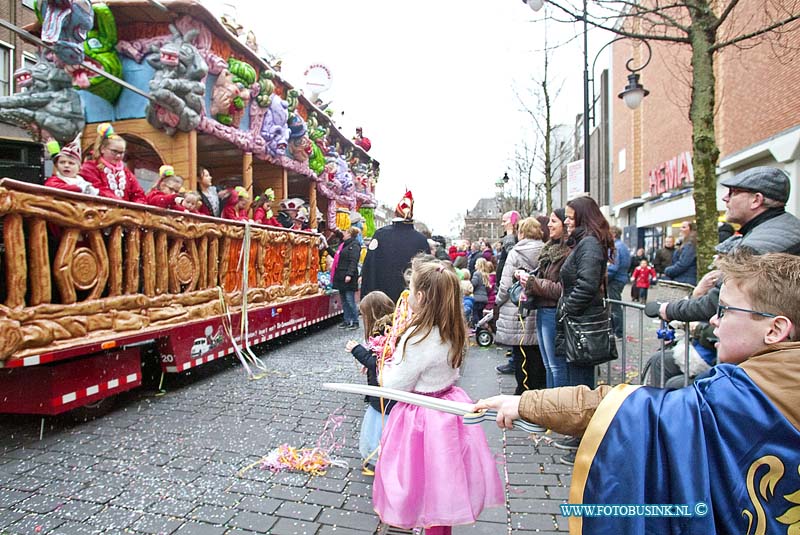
x: 115, y: 176
x: 552, y: 252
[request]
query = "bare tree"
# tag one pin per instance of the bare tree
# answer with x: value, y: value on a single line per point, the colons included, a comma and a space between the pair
x: 706, y: 27
x: 525, y: 158
x: 548, y: 154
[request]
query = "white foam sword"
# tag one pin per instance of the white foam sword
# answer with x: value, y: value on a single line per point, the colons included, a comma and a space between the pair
x: 451, y: 407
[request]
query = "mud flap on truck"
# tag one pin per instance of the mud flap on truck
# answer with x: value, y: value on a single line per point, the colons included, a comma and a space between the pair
x: 58, y: 387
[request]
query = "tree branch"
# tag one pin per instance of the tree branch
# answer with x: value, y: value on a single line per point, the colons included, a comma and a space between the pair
x: 620, y: 31
x: 746, y: 36
x: 724, y: 15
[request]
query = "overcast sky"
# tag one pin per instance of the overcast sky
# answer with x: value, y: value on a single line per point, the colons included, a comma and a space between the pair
x: 431, y: 82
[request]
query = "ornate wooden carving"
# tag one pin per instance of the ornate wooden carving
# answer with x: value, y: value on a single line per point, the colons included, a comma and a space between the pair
x: 41, y: 290
x: 119, y: 267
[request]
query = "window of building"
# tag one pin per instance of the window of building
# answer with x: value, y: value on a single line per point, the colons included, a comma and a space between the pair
x: 621, y: 157
x: 29, y: 60
x: 6, y: 68
x: 28, y: 4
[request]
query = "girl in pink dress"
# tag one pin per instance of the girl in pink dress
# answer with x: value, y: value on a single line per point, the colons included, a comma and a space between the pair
x: 434, y: 471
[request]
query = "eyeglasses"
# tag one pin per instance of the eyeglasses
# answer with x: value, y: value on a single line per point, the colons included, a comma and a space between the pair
x: 721, y: 309
x: 734, y: 191
x: 116, y: 152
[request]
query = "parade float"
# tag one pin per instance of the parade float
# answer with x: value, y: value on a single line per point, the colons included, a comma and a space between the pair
x: 93, y: 284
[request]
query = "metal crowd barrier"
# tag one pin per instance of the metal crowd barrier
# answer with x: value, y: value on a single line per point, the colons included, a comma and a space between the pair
x: 664, y: 291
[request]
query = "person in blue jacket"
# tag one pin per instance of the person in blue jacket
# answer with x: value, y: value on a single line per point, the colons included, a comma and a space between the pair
x: 617, y: 278
x: 684, y: 260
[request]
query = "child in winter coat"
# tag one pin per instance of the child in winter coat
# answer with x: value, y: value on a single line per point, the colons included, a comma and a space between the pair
x: 376, y: 310
x: 469, y: 300
x: 643, y: 276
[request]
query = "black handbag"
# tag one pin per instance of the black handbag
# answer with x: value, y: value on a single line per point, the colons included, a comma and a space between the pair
x: 588, y: 340
x: 515, y: 292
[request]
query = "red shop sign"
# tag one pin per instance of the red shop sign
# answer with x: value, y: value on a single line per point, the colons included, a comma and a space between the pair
x: 672, y: 174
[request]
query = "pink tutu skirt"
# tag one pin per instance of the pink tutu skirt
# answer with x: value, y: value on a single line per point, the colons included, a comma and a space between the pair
x: 433, y: 469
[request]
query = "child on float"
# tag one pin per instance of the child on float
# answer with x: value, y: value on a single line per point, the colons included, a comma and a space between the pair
x: 434, y: 471
x: 166, y: 192
x: 107, y: 170
x: 236, y: 209
x: 262, y: 209
x: 192, y: 202
x: 67, y: 163
x: 376, y: 311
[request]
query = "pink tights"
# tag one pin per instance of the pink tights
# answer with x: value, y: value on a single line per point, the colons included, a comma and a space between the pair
x: 439, y: 530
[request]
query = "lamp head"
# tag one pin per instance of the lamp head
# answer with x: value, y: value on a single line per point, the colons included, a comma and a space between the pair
x: 535, y: 5
x: 634, y: 92
x: 505, y: 178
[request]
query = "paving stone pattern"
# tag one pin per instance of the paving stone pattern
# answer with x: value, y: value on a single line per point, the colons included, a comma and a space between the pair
x: 171, y: 463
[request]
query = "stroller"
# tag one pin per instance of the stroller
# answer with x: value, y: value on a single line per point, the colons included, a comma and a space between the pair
x: 483, y: 333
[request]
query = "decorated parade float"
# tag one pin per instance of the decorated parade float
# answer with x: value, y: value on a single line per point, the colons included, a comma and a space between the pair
x: 92, y: 284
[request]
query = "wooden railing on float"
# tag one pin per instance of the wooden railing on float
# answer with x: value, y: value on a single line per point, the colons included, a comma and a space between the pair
x: 77, y: 266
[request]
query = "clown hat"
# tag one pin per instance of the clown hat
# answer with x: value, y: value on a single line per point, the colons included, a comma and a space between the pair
x: 72, y: 150
x: 291, y: 204
x: 405, y: 208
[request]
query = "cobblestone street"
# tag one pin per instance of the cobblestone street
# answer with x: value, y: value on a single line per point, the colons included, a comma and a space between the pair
x: 171, y: 463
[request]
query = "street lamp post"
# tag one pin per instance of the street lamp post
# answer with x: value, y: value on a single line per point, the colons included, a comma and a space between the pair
x: 632, y: 95
x: 500, y: 184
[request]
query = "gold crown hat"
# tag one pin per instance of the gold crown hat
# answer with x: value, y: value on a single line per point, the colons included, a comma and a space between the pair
x: 405, y: 208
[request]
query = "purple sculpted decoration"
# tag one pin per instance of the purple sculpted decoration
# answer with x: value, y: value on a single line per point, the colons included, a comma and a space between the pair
x: 274, y: 129
x: 64, y: 27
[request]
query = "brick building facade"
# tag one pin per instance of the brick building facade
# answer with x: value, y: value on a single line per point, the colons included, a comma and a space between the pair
x: 483, y: 221
x: 757, y: 123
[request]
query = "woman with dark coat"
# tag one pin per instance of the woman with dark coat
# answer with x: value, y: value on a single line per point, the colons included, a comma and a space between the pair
x: 684, y: 260
x: 544, y: 290
x: 345, y: 278
x: 583, y: 275
x: 583, y: 282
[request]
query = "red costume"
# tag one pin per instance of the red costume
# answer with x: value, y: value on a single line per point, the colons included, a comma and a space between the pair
x: 158, y: 198
x: 57, y: 182
x: 114, y: 184
x: 260, y: 217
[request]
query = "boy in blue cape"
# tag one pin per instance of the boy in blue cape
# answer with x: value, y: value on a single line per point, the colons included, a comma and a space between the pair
x: 727, y: 446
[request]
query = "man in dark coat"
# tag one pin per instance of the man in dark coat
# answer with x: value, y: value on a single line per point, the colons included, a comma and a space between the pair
x: 664, y: 255
x: 390, y: 251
